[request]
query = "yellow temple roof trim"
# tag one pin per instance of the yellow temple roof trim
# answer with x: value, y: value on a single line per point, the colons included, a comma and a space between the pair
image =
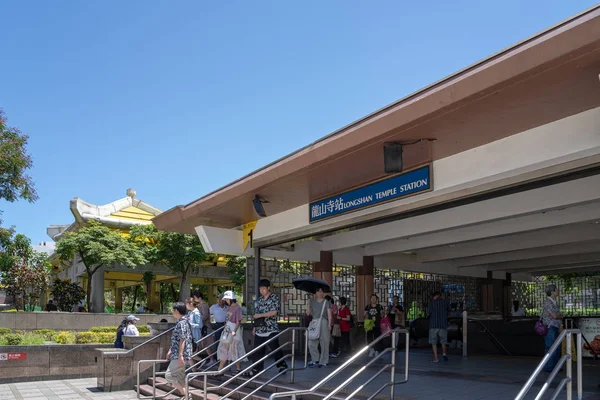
x: 123, y: 213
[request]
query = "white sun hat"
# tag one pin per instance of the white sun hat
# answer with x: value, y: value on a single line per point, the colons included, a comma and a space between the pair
x: 229, y: 295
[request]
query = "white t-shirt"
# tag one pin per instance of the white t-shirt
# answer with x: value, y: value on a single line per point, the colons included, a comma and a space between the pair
x: 131, y: 330
x: 219, y: 313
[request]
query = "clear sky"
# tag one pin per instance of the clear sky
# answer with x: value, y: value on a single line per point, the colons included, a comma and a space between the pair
x: 178, y: 98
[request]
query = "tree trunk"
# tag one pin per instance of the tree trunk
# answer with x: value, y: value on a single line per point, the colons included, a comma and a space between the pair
x: 173, y: 292
x: 89, y: 292
x: 184, y: 286
x: 135, y: 295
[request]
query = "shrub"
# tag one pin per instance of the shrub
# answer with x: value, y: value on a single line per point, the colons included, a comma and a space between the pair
x: 33, y: 339
x: 86, y: 338
x: 5, y: 331
x: 104, y: 329
x: 113, y: 329
x: 65, y: 294
x: 105, y: 338
x: 13, y: 340
x: 11, y: 310
x: 19, y: 332
x: 47, y: 334
x: 65, y: 337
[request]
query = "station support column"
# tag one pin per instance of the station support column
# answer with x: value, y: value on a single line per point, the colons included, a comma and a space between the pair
x: 118, y: 293
x: 153, y: 300
x: 98, y: 291
x: 507, y: 295
x: 324, y: 268
x: 364, y: 285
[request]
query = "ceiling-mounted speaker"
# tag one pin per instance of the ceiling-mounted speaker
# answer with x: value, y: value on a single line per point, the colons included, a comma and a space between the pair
x: 258, y: 206
x: 392, y: 157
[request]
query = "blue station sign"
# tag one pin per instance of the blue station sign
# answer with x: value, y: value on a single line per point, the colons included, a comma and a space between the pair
x: 397, y: 187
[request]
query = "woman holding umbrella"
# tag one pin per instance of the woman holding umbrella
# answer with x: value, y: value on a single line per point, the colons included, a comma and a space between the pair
x: 320, y: 309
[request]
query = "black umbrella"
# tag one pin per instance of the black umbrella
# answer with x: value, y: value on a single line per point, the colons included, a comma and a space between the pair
x: 311, y: 285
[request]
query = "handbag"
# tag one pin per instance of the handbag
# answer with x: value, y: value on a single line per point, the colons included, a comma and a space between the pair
x: 336, y: 331
x: 227, y: 335
x: 314, y: 328
x: 385, y: 325
x: 540, y: 328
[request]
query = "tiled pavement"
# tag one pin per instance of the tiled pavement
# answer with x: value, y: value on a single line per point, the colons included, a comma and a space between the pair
x: 72, y: 389
x: 485, y: 378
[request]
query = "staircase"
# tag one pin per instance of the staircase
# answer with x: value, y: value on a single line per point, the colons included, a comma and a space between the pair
x: 162, y: 388
x: 222, y: 384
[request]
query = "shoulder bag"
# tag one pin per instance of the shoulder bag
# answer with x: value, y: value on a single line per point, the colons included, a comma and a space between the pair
x: 314, y: 328
x: 540, y: 328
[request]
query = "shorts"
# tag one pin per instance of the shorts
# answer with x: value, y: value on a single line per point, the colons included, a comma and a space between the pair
x: 175, y: 372
x: 435, y: 334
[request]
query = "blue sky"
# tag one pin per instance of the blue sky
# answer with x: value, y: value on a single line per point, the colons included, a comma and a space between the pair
x: 176, y: 99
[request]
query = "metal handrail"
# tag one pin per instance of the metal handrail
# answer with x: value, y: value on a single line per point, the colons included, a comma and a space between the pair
x: 490, y: 334
x: 205, y: 374
x: 154, y: 362
x: 392, y: 384
x: 568, y: 380
x: 121, y: 353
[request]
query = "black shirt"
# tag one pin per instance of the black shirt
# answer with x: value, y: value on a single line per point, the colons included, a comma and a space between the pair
x: 374, y: 312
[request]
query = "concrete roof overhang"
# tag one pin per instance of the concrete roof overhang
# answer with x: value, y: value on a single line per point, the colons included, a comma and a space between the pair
x: 537, y: 81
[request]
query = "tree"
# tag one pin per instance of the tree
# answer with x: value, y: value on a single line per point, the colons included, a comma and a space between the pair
x: 237, y: 270
x: 15, y: 183
x: 96, y: 246
x: 23, y: 271
x: 65, y: 294
x: 180, y: 253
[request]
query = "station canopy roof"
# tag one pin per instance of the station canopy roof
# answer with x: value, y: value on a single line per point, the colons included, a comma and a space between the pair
x: 539, y: 80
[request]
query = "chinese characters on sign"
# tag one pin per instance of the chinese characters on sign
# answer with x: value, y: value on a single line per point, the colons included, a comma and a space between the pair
x: 12, y: 356
x: 399, y: 186
x: 590, y: 329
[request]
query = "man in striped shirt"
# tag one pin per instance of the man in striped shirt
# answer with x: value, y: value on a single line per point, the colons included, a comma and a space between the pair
x: 438, y: 325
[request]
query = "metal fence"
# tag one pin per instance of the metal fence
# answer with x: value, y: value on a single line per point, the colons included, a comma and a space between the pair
x: 415, y: 290
x: 579, y: 294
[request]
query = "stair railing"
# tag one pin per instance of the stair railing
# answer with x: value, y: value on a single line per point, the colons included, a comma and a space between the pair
x: 292, y: 356
x: 163, y: 361
x: 391, y: 366
x: 568, y: 379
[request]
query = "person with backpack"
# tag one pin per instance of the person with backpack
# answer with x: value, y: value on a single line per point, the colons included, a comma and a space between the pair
x: 120, y: 331
x: 345, y: 317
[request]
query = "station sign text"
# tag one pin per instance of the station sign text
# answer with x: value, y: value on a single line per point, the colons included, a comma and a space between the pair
x: 394, y: 188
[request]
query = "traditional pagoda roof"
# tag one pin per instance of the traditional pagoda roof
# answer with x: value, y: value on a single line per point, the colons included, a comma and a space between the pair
x: 120, y: 214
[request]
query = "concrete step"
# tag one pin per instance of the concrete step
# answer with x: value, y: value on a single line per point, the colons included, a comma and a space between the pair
x: 198, y: 394
x: 147, y: 390
x: 266, y: 391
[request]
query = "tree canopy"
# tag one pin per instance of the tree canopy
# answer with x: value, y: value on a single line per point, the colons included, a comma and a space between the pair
x: 179, y: 252
x: 15, y: 183
x: 24, y: 272
x: 97, y: 246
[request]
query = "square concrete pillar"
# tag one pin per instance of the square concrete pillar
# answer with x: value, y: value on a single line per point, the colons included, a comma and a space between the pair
x: 364, y: 285
x: 324, y: 268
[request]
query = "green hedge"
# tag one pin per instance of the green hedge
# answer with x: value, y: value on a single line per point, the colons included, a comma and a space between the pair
x: 99, y: 335
x: 13, y: 340
x: 48, y: 334
x: 65, y: 337
x: 113, y: 329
